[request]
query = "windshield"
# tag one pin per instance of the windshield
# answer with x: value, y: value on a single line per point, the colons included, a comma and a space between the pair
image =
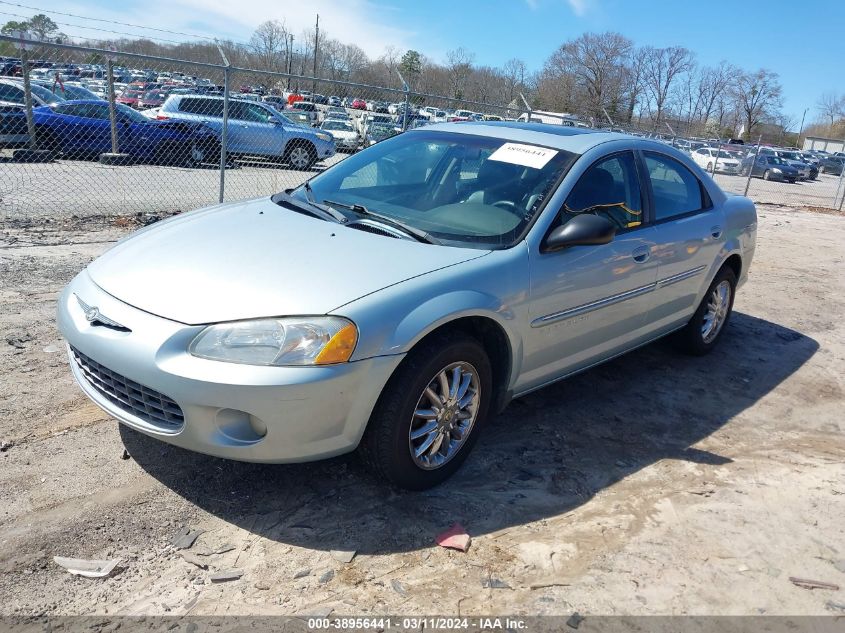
x: 789, y: 155
x: 128, y: 113
x: 461, y: 189
x: 45, y: 95
x: 774, y: 160
x: 154, y: 96
x: 339, y: 126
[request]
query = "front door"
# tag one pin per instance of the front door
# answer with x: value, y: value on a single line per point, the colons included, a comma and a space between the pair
x: 589, y: 302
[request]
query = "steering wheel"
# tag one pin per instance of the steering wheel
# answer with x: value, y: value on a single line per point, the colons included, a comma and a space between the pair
x: 507, y: 205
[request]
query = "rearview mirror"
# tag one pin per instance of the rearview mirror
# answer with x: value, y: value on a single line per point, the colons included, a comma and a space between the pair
x: 582, y: 230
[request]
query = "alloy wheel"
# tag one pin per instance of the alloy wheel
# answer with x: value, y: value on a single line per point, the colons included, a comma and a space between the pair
x: 299, y: 157
x: 444, y: 415
x: 718, y: 305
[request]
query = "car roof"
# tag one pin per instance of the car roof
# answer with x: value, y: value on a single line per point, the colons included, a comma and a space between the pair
x: 570, y: 139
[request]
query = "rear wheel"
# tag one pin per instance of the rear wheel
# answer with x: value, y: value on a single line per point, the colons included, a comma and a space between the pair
x: 47, y: 141
x: 766, y: 175
x: 705, y: 328
x: 301, y: 155
x: 430, y: 413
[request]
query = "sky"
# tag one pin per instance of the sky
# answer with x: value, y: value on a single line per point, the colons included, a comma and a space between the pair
x: 801, y: 41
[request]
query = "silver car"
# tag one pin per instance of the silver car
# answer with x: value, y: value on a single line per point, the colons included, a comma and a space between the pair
x: 401, y: 297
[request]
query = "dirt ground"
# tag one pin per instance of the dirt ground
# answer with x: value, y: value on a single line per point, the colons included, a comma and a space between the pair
x: 655, y: 484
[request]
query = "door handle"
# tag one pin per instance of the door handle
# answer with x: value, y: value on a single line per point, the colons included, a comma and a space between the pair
x: 641, y: 254
x: 716, y: 232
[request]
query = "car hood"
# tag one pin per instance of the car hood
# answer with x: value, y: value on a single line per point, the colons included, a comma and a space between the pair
x: 257, y: 259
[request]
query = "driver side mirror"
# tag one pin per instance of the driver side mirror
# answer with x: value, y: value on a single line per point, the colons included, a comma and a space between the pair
x: 582, y: 230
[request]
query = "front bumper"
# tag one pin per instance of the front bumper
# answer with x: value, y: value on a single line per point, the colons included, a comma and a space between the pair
x: 241, y: 412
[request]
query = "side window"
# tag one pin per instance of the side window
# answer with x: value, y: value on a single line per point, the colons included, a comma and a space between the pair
x: 675, y: 189
x: 257, y: 114
x: 11, y: 93
x: 609, y: 188
x: 70, y: 109
x: 94, y: 111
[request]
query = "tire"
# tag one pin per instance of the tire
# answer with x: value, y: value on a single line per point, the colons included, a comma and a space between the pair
x: 47, y: 141
x: 301, y: 155
x: 766, y: 175
x: 695, y: 338
x: 387, y: 445
x: 710, y: 166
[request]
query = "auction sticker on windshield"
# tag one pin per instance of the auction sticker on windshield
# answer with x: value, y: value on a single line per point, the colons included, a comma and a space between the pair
x: 525, y: 155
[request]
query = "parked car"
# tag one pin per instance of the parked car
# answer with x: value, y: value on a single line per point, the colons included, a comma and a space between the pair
x: 708, y: 158
x: 346, y: 138
x: 256, y: 129
x: 768, y: 167
x: 365, y: 121
x: 335, y: 101
x: 68, y: 91
x: 130, y: 97
x: 805, y: 170
x: 84, y: 127
x: 308, y: 107
x: 333, y: 112
x: 151, y: 99
x: 377, y: 131
x: 358, y: 104
x: 277, y: 101
x: 13, y: 129
x: 832, y: 165
x: 517, y: 257
x: 12, y: 92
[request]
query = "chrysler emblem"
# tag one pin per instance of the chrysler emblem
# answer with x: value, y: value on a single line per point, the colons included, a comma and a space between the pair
x: 91, y: 314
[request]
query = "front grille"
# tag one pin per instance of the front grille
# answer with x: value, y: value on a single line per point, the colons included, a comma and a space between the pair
x: 130, y: 396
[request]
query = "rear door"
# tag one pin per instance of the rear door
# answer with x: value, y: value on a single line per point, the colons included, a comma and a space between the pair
x: 689, y: 231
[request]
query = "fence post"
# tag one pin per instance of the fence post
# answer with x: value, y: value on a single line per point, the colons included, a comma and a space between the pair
x: 839, y: 187
x: 27, y: 97
x: 224, y: 138
x: 751, y: 166
x: 112, y: 109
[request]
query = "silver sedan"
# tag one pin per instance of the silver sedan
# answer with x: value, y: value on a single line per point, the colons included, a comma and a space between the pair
x: 403, y: 296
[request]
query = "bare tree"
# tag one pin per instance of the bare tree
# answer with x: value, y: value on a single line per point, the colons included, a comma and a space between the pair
x: 269, y: 43
x: 662, y: 68
x: 832, y: 107
x: 597, y: 63
x: 459, y: 66
x: 758, y: 96
x: 514, y: 72
x: 634, y: 80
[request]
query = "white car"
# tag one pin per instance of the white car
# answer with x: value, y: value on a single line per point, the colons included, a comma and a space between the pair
x: 346, y: 138
x: 709, y: 157
x: 434, y: 115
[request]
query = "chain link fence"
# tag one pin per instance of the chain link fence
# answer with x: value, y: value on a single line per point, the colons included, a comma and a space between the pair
x: 128, y: 133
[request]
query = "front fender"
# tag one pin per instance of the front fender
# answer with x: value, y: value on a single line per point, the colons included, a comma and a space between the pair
x: 393, y: 320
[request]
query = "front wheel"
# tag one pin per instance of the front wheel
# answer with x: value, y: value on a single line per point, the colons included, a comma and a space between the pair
x: 767, y: 175
x: 430, y: 413
x: 705, y: 328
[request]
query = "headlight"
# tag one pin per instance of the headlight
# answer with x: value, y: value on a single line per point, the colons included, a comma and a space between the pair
x: 324, y: 137
x: 776, y: 170
x: 284, y: 341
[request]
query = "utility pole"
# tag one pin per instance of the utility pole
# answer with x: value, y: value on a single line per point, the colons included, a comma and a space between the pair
x: 316, y: 47
x: 801, y: 129
x: 290, y: 59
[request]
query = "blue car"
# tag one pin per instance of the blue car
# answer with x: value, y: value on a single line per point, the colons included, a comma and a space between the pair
x: 73, y: 128
x: 255, y: 129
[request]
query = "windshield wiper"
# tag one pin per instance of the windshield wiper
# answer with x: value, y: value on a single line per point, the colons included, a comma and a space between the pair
x: 360, y: 209
x: 312, y: 207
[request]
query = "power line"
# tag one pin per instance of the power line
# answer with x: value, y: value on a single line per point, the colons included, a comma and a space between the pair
x: 83, y: 17
x: 94, y: 28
